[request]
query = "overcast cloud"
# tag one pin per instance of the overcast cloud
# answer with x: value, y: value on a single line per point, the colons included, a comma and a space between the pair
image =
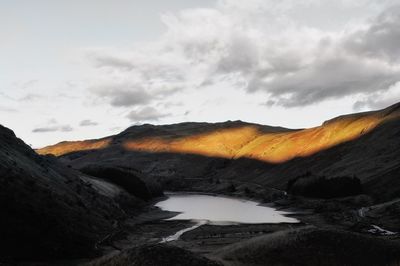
x: 257, y: 46
x: 264, y: 61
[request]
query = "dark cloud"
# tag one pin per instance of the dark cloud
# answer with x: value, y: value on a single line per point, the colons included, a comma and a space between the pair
x: 379, y: 99
x: 381, y: 39
x: 241, y: 56
x: 145, y: 114
x: 45, y: 129
x: 88, y: 122
x: 329, y: 78
x: 362, y: 62
x: 123, y: 97
x: 61, y: 128
x: 373, y: 104
x: 53, y: 126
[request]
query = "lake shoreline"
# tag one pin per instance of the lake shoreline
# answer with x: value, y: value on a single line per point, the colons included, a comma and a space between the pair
x: 152, y: 221
x: 200, y: 209
x: 150, y: 227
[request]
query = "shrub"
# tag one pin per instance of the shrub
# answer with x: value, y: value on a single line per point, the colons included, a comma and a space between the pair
x: 323, y: 187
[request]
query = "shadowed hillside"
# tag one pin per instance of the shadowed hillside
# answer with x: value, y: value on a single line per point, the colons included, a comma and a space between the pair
x: 311, y: 246
x: 237, y: 139
x: 154, y: 255
x: 365, y: 145
x: 49, y: 211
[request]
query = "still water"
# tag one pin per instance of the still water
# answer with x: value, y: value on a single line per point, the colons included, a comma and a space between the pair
x: 221, y: 210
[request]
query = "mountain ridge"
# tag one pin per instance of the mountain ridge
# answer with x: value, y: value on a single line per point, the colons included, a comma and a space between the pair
x: 159, y: 137
x: 363, y: 144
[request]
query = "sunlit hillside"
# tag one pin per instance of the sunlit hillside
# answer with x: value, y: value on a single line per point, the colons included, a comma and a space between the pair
x: 238, y: 140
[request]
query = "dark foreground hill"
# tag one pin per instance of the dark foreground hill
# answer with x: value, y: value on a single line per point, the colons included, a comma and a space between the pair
x: 49, y: 211
x: 154, y: 255
x: 311, y: 246
x: 363, y: 145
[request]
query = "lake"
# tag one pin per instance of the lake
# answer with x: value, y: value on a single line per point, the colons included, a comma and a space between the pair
x: 219, y: 210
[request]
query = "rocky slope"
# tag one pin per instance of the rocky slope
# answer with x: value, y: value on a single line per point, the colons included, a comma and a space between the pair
x: 49, y: 211
x: 366, y: 145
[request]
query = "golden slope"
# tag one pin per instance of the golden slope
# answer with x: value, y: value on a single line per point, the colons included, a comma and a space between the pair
x: 285, y: 146
x: 220, y: 143
x: 66, y: 147
x: 248, y: 140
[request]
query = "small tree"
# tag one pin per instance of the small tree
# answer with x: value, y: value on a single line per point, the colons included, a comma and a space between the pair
x: 232, y: 188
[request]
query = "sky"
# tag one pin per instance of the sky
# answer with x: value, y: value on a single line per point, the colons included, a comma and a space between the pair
x: 73, y: 70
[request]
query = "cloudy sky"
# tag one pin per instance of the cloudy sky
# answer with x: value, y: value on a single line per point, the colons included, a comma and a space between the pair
x: 81, y: 69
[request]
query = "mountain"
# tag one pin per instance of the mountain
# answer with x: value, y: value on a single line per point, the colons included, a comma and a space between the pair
x: 83, y: 202
x: 365, y: 145
x: 49, y: 211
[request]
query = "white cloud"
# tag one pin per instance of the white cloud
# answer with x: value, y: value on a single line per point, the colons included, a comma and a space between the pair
x: 254, y: 46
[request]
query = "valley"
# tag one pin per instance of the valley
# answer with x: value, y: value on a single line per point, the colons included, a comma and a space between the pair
x: 94, y: 202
